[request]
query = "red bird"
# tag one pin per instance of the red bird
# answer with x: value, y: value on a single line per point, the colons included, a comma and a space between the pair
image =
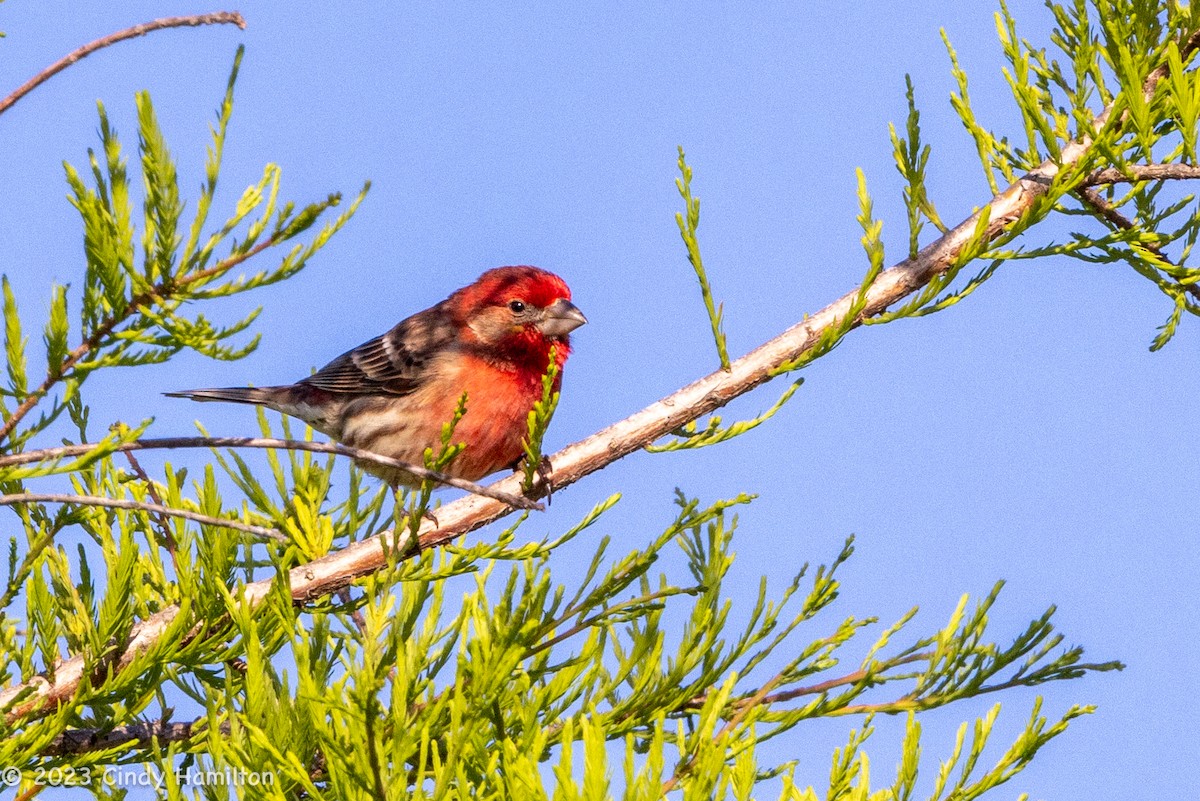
x: 491, y: 340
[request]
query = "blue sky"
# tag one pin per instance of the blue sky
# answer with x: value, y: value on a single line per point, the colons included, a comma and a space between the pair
x: 1027, y: 434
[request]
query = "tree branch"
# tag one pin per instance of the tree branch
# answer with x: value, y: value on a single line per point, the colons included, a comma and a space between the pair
x: 163, y: 289
x: 150, y: 508
x: 1106, y: 211
x: 160, y: 520
x: 168, y: 443
x: 138, y: 735
x: 909, y: 703
x: 814, y: 689
x: 684, y: 766
x: 330, y: 573
x: 1135, y: 173
x: 217, y: 18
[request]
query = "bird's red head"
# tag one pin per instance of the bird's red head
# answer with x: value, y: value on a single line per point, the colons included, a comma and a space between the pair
x: 518, y: 314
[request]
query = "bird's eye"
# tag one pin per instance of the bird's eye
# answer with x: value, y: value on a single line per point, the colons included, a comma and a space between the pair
x: 517, y: 306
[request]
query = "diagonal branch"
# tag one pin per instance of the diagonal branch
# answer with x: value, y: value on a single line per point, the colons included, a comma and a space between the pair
x: 328, y: 574
x: 331, y: 573
x: 105, y: 329
x: 1106, y: 211
x: 912, y: 702
x: 151, y: 508
x: 685, y: 765
x: 862, y: 674
x: 194, y: 20
x: 157, y: 733
x: 160, y: 520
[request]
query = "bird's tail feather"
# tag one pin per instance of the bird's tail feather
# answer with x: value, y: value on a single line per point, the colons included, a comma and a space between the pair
x: 258, y: 396
x: 291, y: 399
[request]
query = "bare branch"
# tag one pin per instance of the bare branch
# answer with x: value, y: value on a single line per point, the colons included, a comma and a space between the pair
x: 356, y: 615
x: 1106, y: 211
x: 160, y: 519
x: 217, y: 18
x: 168, y: 443
x: 1103, y: 209
x: 813, y: 689
x: 150, y: 508
x: 136, y: 735
x: 330, y: 573
x: 1134, y: 173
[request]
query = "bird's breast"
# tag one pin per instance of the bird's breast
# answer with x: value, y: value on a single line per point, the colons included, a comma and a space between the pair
x: 403, y: 426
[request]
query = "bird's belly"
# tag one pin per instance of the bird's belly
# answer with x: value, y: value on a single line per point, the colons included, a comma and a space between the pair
x: 402, y: 427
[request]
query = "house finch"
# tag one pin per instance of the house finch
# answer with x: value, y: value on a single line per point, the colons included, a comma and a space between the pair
x: 490, y: 340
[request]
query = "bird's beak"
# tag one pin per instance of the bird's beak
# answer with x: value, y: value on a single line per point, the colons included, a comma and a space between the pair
x: 561, y: 318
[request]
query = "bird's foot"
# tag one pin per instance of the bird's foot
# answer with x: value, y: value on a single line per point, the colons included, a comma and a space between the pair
x: 415, y: 531
x: 545, y: 473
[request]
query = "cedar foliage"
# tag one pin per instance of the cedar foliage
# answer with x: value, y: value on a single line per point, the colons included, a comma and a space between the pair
x: 470, y: 670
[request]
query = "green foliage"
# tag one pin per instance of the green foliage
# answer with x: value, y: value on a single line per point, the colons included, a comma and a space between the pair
x: 1113, y: 50
x: 538, y: 421
x: 401, y: 687
x: 14, y: 344
x: 447, y: 452
x: 690, y: 435
x: 911, y: 159
x: 130, y: 310
x: 688, y: 221
x: 476, y: 670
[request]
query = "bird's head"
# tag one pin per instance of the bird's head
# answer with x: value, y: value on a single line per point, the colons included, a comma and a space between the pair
x: 518, y: 314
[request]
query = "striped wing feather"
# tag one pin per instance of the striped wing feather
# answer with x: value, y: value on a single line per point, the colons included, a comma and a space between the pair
x: 391, y: 364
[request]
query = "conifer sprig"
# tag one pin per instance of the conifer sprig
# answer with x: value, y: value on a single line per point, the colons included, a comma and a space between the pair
x: 130, y: 304
x: 355, y: 667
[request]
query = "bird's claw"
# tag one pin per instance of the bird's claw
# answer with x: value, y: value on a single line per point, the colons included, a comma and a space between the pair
x: 545, y: 472
x: 426, y: 514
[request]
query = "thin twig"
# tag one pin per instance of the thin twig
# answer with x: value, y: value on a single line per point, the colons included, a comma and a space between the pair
x: 586, y: 624
x: 162, y: 524
x: 163, y: 289
x: 911, y: 702
x: 356, y: 614
x: 1108, y: 212
x: 330, y: 573
x: 170, y: 443
x: 217, y: 18
x: 841, y: 681
x: 143, y: 735
x: 1135, y: 173
x: 812, y: 689
x: 151, y: 508
x: 685, y: 765
x: 1105, y: 210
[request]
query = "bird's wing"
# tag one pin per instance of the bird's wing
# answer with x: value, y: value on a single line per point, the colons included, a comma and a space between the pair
x: 391, y: 364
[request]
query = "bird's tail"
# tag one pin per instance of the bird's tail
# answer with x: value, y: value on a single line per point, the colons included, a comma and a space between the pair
x: 258, y: 396
x: 296, y: 400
